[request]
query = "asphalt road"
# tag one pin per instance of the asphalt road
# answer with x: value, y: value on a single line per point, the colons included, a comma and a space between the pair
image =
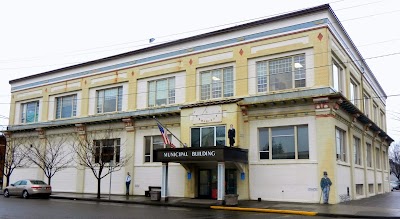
x: 55, y: 208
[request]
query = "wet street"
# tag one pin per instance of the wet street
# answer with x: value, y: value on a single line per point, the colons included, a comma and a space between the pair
x: 53, y: 208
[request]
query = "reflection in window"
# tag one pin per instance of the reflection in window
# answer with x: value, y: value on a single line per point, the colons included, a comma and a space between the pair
x: 161, y: 92
x: 109, y: 100
x: 107, y: 150
x: 208, y: 136
x: 152, y: 143
x: 30, y: 112
x: 216, y: 83
x: 282, y: 73
x: 66, y: 106
x: 283, y: 142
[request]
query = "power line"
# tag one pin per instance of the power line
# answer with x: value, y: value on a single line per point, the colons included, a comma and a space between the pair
x: 247, y: 78
x: 213, y: 27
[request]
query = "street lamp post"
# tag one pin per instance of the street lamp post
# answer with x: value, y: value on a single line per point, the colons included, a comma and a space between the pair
x: 110, y: 167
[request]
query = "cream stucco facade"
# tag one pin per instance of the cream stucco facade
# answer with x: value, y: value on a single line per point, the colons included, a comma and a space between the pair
x: 296, y: 79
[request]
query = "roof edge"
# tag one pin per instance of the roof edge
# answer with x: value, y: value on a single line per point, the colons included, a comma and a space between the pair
x: 184, y: 40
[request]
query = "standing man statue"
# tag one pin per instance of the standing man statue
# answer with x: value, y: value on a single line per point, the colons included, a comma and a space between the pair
x: 325, y: 186
x: 231, y: 136
x: 128, y: 182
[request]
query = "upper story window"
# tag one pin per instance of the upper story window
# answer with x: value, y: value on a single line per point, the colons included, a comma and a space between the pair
x: 382, y: 120
x: 66, y: 106
x: 337, y: 76
x: 341, y: 145
x: 354, y: 93
x: 367, y: 104
x: 216, y: 83
x: 109, y: 100
x: 107, y: 150
x: 284, y: 142
x: 375, y: 113
x: 208, y: 136
x: 161, y: 92
x: 30, y: 112
x: 282, y: 73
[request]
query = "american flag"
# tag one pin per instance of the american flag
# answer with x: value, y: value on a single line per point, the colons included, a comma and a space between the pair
x: 165, y: 136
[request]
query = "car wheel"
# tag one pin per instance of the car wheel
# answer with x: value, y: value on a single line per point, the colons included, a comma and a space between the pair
x: 25, y: 194
x: 6, y: 193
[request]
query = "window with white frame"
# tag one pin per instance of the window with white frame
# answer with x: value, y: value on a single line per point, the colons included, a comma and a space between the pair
x: 109, y: 100
x: 382, y: 120
x: 341, y: 145
x: 208, y: 136
x: 30, y: 112
x: 357, y: 151
x: 107, y: 150
x: 216, y: 83
x: 282, y: 73
x: 377, y: 158
x: 337, y: 76
x: 354, y: 93
x: 152, y: 143
x: 284, y: 142
x: 161, y: 92
x: 369, y: 155
x: 66, y: 106
x: 367, y: 104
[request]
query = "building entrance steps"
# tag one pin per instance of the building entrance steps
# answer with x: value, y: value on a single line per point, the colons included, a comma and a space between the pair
x: 380, y: 206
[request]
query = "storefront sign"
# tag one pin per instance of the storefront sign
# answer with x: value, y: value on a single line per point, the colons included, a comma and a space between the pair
x: 218, y: 154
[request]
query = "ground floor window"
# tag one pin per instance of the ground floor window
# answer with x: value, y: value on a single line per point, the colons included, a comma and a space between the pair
x: 359, y: 189
x: 286, y: 142
x: 152, y: 143
x: 208, y: 136
x: 107, y: 150
x: 340, y: 145
x: 370, y: 188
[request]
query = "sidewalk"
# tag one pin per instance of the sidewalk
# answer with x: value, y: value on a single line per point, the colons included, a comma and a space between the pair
x: 379, y: 206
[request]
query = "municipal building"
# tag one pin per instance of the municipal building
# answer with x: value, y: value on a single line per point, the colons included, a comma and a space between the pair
x: 298, y: 93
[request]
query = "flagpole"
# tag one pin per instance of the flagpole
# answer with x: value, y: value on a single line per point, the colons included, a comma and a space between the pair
x: 167, y: 130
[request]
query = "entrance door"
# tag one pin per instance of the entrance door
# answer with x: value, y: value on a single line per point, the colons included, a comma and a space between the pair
x: 205, y: 184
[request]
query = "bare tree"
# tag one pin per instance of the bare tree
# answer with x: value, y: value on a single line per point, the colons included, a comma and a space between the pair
x: 100, y: 151
x: 52, y: 156
x: 394, y: 161
x: 14, y: 157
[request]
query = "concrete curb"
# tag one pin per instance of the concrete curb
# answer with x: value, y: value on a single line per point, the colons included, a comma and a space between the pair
x: 203, y: 206
x: 266, y: 210
x: 156, y: 203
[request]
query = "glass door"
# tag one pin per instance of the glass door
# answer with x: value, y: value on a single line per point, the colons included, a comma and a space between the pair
x: 205, y: 184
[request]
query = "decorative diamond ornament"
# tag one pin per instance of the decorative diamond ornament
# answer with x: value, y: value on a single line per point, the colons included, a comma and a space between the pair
x: 320, y: 36
x: 241, y: 52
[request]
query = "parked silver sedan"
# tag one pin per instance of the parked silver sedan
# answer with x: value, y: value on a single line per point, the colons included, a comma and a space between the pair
x: 27, y: 188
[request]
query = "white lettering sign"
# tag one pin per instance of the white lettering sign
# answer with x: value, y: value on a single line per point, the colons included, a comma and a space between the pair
x: 203, y: 153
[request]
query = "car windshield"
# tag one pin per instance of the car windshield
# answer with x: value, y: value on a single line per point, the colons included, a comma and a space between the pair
x: 38, y: 182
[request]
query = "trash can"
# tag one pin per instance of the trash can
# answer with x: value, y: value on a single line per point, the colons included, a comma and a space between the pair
x: 231, y: 199
x: 155, y: 195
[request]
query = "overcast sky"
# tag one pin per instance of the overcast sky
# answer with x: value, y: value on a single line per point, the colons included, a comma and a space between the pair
x: 38, y: 36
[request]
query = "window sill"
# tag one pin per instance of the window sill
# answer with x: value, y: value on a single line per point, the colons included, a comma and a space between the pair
x: 283, y: 162
x: 342, y: 163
